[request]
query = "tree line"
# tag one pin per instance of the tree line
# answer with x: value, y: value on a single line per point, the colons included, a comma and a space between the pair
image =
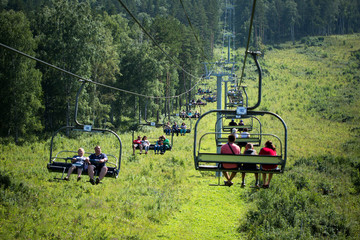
x: 96, y: 45
x: 289, y: 20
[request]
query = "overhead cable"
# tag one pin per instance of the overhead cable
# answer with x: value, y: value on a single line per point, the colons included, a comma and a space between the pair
x: 91, y: 81
x: 154, y: 41
x: 192, y: 29
x: 248, y: 41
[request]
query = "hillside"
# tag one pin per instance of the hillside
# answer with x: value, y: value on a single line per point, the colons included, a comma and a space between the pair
x: 313, y: 85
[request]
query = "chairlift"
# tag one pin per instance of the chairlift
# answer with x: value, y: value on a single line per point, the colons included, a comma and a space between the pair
x: 255, y: 134
x: 152, y: 142
x: 188, y: 130
x: 249, y: 123
x: 59, y: 163
x: 206, y: 161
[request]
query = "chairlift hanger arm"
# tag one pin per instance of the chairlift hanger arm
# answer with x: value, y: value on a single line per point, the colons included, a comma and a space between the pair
x: 77, y: 104
x: 254, y: 54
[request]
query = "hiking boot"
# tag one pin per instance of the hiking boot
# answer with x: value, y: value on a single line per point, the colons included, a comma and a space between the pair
x: 97, y: 181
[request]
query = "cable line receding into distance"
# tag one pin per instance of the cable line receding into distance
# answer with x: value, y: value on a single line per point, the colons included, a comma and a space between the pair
x: 155, y: 42
x: 248, y: 41
x: 115, y: 88
x: 91, y: 81
x: 192, y: 29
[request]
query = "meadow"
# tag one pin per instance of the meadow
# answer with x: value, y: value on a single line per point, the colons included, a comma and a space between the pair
x: 313, y: 85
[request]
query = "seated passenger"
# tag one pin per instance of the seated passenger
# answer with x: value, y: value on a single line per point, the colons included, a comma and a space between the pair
x: 269, y: 149
x: 244, y: 134
x: 97, y: 162
x: 249, y: 150
x: 199, y: 102
x: 175, y: 129
x: 159, y: 145
x: 197, y: 114
x: 145, y: 144
x: 230, y: 148
x: 166, y: 144
x: 232, y: 123
x: 78, y: 162
x: 167, y: 128
x: 137, y: 143
x: 183, y: 114
x: 182, y: 129
x: 190, y: 114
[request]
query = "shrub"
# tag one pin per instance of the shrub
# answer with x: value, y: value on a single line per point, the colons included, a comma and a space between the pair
x: 298, y: 204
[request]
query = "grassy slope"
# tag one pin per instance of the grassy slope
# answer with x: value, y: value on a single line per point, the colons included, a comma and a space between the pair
x: 163, y: 197
x: 301, y: 77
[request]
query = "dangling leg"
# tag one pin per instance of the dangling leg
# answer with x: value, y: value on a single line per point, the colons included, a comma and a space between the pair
x: 233, y: 174
x: 270, y: 177
x: 102, y: 174
x: 226, y: 175
x: 243, y: 179
x: 264, y: 179
x: 71, y: 169
x: 91, y: 174
x: 256, y: 180
x: 79, y: 171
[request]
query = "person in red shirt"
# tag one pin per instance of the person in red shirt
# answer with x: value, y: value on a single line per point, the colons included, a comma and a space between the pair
x: 269, y: 149
x: 230, y: 148
x: 137, y: 143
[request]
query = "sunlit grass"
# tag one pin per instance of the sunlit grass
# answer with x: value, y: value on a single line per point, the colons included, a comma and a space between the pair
x: 164, y: 197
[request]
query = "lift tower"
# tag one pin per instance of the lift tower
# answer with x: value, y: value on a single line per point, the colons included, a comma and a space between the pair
x: 224, y: 70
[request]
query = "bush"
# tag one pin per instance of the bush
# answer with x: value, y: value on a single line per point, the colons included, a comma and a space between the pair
x: 298, y: 206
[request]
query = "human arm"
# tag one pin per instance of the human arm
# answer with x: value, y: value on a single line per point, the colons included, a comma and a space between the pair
x: 78, y: 158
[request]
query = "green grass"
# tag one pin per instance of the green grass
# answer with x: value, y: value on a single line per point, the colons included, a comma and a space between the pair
x: 313, y: 87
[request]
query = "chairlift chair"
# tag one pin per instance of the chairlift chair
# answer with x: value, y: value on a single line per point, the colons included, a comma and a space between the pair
x: 59, y: 163
x: 62, y: 164
x: 250, y: 125
x: 205, y: 161
x: 152, y: 142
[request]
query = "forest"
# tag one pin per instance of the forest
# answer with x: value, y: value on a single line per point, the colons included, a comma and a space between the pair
x: 109, y: 48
